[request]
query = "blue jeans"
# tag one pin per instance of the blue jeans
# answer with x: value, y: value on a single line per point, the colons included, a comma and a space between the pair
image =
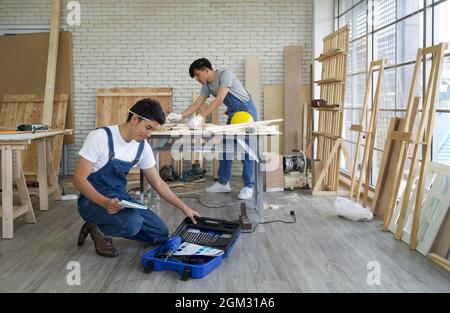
x: 134, y: 224
x: 224, y: 171
x: 235, y: 105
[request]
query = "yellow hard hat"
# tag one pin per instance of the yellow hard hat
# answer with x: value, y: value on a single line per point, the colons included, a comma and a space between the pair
x: 241, y: 117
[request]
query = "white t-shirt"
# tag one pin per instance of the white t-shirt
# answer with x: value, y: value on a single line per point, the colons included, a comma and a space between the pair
x: 96, y: 150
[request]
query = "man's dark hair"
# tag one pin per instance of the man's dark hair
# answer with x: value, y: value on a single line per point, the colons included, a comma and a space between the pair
x: 149, y: 109
x: 200, y: 65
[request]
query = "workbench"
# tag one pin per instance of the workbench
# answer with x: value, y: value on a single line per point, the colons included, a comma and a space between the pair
x: 11, y: 146
x: 162, y: 140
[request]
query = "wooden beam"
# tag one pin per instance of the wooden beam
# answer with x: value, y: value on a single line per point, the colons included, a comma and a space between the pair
x: 293, y: 109
x: 51, y: 64
x: 253, y: 79
x: 42, y: 176
x: 445, y: 264
x: 7, y: 192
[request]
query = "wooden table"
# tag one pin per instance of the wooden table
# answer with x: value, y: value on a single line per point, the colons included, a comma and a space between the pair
x: 164, y: 139
x: 11, y: 145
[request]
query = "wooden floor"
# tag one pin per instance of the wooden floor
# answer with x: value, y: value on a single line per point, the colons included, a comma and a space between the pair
x: 320, y: 253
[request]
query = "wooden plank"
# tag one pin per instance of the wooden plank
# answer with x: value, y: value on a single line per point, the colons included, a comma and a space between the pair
x: 357, y: 128
x: 253, y: 79
x: 274, y: 109
x: 445, y: 264
x: 317, y: 167
x: 330, y: 54
x: 42, y: 177
x: 329, y: 81
x: 402, y: 136
x: 293, y: 109
x: 382, y: 173
x: 274, y: 180
x: 28, y: 109
x: 22, y: 188
x: 135, y: 94
x: 388, y: 188
x: 327, y: 165
x: 53, y: 187
x: 51, y: 64
x: 113, y: 105
x: 7, y: 192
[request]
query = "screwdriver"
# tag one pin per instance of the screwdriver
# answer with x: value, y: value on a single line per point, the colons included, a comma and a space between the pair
x: 170, y: 247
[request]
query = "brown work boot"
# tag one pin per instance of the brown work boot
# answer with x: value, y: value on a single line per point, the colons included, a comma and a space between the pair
x: 103, y: 244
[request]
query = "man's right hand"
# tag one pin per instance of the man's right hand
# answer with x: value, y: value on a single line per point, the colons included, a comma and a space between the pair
x: 113, y: 206
x: 174, y: 118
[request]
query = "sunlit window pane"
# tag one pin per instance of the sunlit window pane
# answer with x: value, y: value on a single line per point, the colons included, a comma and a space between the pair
x: 384, y: 12
x: 444, y: 88
x: 387, y: 100
x: 344, y: 5
x: 405, y: 7
x: 359, y: 20
x: 404, y: 81
x: 395, y: 30
x: 442, y: 23
x: 409, y: 38
x: 442, y: 138
x: 384, y: 44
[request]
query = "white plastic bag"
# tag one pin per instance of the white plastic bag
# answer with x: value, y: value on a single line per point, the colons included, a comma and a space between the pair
x: 352, y: 210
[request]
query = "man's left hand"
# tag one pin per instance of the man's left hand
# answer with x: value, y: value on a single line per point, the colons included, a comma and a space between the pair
x: 195, y: 122
x: 192, y: 215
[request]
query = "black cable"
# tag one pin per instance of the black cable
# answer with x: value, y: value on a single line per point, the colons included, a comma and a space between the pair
x: 274, y: 221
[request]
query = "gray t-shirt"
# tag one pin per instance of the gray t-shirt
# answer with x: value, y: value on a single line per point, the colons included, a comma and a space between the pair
x: 225, y: 78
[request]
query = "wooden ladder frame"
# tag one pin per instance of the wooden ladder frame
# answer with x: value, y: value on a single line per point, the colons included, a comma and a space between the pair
x: 423, y: 138
x: 370, y: 133
x: 332, y: 89
x: 404, y: 133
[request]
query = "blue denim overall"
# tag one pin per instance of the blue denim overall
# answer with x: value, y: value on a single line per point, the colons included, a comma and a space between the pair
x: 111, y: 181
x: 235, y: 105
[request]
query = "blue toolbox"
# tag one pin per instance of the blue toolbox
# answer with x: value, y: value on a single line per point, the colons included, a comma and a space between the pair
x: 208, y: 232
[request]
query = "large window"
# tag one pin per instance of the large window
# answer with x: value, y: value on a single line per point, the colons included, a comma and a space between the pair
x: 394, y: 30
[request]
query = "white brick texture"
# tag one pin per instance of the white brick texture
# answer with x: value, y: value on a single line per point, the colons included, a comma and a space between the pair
x: 151, y: 43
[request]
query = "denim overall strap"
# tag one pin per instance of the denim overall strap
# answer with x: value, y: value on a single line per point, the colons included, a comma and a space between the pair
x: 110, y: 143
x: 139, y: 152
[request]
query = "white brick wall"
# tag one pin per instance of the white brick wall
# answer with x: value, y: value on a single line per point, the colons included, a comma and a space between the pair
x: 152, y: 43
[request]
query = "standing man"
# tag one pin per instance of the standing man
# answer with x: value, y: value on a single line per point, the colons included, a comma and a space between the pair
x: 106, y: 157
x: 226, y: 89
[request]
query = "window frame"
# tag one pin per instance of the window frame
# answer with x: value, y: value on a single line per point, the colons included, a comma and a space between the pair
x: 428, y: 14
